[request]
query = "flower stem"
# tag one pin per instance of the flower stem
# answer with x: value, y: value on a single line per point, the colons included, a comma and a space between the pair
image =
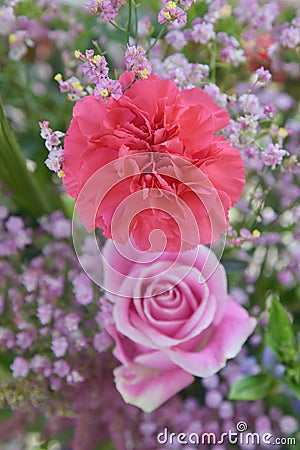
x: 117, y: 26
x: 129, y: 20
x: 161, y: 32
x: 136, y: 20
x: 213, y: 65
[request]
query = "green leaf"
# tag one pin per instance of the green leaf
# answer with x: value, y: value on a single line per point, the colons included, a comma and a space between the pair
x: 293, y: 387
x: 280, y: 335
x: 31, y: 196
x: 233, y: 266
x: 251, y: 387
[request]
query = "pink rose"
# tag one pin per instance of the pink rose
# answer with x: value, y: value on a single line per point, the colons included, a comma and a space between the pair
x: 173, y: 320
x: 152, y: 160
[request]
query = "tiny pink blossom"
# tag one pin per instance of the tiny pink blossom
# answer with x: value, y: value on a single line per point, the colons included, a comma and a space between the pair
x: 20, y: 367
x: 59, y: 346
x: 61, y: 368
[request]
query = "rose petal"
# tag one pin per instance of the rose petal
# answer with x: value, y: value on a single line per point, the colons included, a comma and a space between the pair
x: 149, y: 388
x: 226, y: 341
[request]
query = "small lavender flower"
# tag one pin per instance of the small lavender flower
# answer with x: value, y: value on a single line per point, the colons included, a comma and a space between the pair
x: 187, y: 3
x: 250, y: 103
x: 263, y: 75
x: 213, y: 399
x: 108, y: 9
x: 41, y: 365
x: 172, y: 14
x: 82, y: 287
x: 44, y: 313
x: 7, y: 20
x: 288, y: 425
x: 102, y: 341
x: 52, y: 143
x: 183, y: 73
x: 106, y: 88
x: 7, y: 338
x: 61, y: 368
x: 246, y: 10
x: 176, y: 39
x: 214, y: 91
x: 233, y: 55
x: 202, y: 32
x: 94, y: 66
x: 74, y: 377
x: 136, y: 60
x: 20, y: 367
x: 290, y: 37
x: 71, y: 321
x: 18, y: 44
x: 273, y: 155
x: 56, y: 224
x: 59, y: 346
x: 24, y: 340
x: 266, y: 16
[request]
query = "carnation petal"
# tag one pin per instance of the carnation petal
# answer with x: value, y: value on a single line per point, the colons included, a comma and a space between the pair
x: 197, y: 96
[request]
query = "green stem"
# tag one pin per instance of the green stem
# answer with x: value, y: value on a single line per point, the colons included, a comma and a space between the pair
x: 118, y: 27
x: 97, y: 47
x: 129, y: 20
x: 130, y: 84
x: 166, y: 51
x: 136, y: 21
x: 161, y: 32
x: 213, y: 65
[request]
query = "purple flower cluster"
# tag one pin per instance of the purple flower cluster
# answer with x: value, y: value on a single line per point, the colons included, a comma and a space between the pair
x: 53, y: 145
x: 95, y: 68
x: 71, y: 86
x: 22, y: 33
x: 137, y: 62
x: 202, y: 31
x: 172, y: 14
x: 269, y: 35
x: 273, y: 155
x: 290, y: 36
x: 108, y: 9
x: 49, y: 302
x: 183, y: 73
x: 231, y: 52
x: 253, y: 126
x: 263, y: 75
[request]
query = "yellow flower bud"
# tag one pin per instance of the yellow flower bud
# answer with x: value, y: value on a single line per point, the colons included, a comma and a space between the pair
x: 104, y: 93
x: 283, y: 132
x: 171, y: 5
x: 12, y: 38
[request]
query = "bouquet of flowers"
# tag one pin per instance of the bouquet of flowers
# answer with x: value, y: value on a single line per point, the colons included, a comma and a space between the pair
x: 149, y: 271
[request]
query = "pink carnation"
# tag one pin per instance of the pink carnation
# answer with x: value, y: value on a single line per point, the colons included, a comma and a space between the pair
x: 173, y: 320
x: 151, y: 160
